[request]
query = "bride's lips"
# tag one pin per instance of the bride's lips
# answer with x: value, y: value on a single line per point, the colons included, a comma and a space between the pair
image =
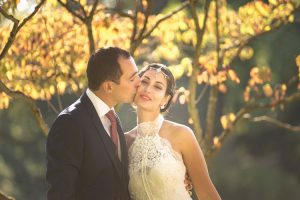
x: 145, y: 97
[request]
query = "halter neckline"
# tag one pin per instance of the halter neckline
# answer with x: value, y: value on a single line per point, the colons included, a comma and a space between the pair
x: 150, y: 127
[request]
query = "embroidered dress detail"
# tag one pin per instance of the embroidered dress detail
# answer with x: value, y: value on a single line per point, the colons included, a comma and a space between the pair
x: 156, y: 171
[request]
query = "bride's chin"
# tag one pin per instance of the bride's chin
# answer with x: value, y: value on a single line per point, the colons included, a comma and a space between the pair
x: 141, y: 107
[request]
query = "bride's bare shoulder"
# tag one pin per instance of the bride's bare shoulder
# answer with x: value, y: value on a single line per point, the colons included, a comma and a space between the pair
x: 130, y: 136
x: 177, y: 128
x: 178, y: 132
x: 178, y: 135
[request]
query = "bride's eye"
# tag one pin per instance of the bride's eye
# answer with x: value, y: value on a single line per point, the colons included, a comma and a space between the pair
x: 144, y: 82
x: 158, y: 87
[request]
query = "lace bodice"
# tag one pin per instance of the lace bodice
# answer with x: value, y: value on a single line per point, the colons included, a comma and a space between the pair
x: 156, y: 171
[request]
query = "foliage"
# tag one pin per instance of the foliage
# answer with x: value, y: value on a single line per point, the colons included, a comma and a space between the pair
x: 46, y: 58
x: 50, y: 61
x: 6, y: 4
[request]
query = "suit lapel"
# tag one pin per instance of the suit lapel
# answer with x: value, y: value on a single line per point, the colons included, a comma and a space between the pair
x: 124, y: 154
x: 108, y: 144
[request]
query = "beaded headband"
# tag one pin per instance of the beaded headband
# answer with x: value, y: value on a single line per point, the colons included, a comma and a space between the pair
x: 158, y: 70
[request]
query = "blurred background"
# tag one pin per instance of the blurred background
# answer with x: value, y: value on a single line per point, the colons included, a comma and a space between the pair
x: 255, y: 160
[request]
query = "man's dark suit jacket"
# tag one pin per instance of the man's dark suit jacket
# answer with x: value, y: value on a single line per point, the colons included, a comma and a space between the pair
x: 81, y: 164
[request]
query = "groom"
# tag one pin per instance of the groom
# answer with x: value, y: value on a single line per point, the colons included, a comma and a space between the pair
x: 86, y: 150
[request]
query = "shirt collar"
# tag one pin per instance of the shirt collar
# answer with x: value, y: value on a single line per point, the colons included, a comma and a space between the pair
x: 101, y: 107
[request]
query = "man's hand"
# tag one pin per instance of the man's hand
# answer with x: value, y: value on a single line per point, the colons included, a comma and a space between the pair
x: 188, y: 184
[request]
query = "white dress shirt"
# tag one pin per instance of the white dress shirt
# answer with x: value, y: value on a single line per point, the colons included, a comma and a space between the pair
x: 101, y: 109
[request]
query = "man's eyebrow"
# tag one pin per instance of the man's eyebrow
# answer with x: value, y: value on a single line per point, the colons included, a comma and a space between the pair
x: 132, y: 75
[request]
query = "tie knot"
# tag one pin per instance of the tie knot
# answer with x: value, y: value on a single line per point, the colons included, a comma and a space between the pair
x: 111, y: 116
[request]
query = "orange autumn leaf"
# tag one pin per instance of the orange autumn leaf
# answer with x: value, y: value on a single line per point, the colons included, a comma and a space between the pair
x: 268, y: 91
x: 216, y: 142
x: 222, y: 88
x: 226, y: 120
x: 190, y: 121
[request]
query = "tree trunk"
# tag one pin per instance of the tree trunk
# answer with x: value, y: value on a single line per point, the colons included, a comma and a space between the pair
x: 5, y: 197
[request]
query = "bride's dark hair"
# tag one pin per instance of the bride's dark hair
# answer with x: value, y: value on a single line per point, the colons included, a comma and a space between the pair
x: 168, y: 75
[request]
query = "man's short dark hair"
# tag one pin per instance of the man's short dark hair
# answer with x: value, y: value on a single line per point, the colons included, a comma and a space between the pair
x: 103, y: 65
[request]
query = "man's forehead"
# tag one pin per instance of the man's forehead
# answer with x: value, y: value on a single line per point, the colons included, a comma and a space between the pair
x: 128, y: 66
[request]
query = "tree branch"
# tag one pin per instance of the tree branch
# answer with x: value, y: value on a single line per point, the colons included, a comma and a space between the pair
x: 65, y: 5
x: 5, y: 197
x: 213, y: 94
x: 201, y: 94
x: 8, y: 16
x: 288, y: 99
x: 192, y: 108
x: 246, y: 41
x: 83, y: 11
x: 275, y: 122
x: 147, y: 14
x: 136, y: 41
x: 93, y: 9
x: 89, y: 26
x: 60, y: 106
x: 199, y: 32
x: 120, y: 12
x: 170, y: 14
x: 86, y: 19
x: 15, y: 94
x: 16, y: 26
x: 52, y: 107
x: 134, y: 31
x: 143, y: 33
x: 34, y: 108
x: 246, y: 110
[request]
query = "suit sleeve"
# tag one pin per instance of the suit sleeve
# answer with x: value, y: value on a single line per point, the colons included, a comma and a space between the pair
x: 64, y: 157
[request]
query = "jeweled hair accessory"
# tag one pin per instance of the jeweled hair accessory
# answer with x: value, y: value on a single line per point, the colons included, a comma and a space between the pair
x: 158, y: 70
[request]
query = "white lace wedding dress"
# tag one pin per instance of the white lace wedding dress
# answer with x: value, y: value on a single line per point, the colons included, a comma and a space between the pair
x: 156, y: 171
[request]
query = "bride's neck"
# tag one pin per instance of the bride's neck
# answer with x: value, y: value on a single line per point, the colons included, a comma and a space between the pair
x: 146, y: 116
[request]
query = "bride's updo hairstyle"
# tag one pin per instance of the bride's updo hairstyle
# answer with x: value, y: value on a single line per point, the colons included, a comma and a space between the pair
x: 161, y: 68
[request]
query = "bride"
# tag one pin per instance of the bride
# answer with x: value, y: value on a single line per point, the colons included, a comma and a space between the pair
x: 161, y: 151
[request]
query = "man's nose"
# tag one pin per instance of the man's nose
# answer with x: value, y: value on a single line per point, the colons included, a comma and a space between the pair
x: 138, y: 82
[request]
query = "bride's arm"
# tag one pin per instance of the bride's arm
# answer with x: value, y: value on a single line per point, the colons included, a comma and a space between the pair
x: 196, y: 166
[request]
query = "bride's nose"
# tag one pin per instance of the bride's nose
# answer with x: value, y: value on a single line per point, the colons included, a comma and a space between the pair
x: 147, y: 89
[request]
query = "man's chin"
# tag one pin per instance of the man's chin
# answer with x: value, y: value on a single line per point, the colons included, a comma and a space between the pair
x: 133, y: 98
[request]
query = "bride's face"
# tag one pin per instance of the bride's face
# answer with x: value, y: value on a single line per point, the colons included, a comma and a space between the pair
x: 151, y: 94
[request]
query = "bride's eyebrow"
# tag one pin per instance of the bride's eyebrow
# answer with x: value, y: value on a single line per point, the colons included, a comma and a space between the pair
x: 161, y: 83
x: 146, y: 77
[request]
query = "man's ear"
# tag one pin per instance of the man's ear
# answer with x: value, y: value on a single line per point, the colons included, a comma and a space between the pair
x: 107, y: 86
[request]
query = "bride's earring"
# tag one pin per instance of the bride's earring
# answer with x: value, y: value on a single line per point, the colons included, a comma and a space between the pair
x: 162, y: 107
